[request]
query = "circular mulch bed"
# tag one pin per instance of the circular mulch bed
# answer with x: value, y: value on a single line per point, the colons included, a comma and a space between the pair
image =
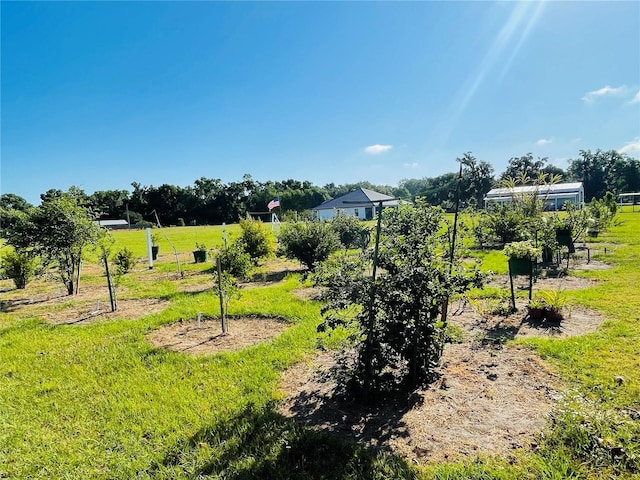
x: 490, y: 397
x: 88, y: 313
x: 207, y: 338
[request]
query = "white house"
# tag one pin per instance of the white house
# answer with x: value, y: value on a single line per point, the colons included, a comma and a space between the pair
x: 553, y: 196
x: 360, y: 203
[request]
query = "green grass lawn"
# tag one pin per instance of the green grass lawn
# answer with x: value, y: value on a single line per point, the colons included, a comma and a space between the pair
x: 184, y: 239
x: 99, y: 401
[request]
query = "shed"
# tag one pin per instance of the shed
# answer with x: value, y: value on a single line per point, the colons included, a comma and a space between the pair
x: 113, y: 224
x: 360, y: 203
x: 554, y: 196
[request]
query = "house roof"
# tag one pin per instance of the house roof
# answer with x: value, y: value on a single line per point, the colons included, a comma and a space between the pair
x: 111, y: 223
x: 361, y: 197
x: 540, y: 189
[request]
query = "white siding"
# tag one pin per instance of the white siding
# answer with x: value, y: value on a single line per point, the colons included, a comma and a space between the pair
x: 330, y: 213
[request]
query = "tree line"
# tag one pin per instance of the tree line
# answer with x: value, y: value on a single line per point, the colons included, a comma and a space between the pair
x: 210, y: 201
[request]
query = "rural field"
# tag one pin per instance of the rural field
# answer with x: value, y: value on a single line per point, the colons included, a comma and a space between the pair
x: 154, y: 390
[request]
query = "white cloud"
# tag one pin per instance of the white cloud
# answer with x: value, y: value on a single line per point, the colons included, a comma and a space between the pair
x: 411, y: 165
x: 377, y: 149
x: 636, y: 99
x: 630, y: 147
x: 608, y: 90
x: 544, y: 141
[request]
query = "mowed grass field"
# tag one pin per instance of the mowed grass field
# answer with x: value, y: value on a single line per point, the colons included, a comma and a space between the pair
x: 99, y: 401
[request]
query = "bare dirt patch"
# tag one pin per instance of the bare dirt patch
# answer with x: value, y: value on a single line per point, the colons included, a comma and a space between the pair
x: 86, y: 313
x: 307, y: 293
x: 188, y: 337
x: 490, y: 397
x: 563, y: 282
x: 498, y: 329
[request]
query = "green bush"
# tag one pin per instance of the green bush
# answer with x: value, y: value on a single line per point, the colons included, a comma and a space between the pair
x: 235, y: 260
x: 308, y: 242
x: 398, y: 333
x: 124, y: 260
x: 256, y: 239
x: 349, y: 229
x: 522, y: 250
x: 18, y: 266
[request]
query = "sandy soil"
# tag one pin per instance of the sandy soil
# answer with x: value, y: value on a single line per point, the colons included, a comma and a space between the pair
x: 490, y: 398
x: 87, y: 313
x: 207, y: 338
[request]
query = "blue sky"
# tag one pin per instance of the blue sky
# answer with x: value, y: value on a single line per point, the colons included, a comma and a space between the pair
x: 99, y: 95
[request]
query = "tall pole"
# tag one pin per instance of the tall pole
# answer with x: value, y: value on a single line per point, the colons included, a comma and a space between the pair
x: 112, y: 297
x: 149, y: 244
x: 372, y: 315
x: 445, y: 305
x: 221, y: 294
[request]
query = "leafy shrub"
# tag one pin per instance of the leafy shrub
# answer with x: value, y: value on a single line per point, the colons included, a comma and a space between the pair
x: 396, y: 320
x: 350, y: 230
x: 502, y: 222
x: 124, y: 259
x: 256, y: 239
x: 308, y: 242
x: 18, y: 266
x: 235, y: 261
x: 522, y: 250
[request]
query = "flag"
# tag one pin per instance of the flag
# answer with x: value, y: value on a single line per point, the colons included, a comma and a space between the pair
x: 274, y: 203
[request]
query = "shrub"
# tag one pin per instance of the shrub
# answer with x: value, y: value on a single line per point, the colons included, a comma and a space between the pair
x: 503, y: 222
x: 522, y: 250
x: 18, y: 266
x: 308, y: 242
x: 124, y: 259
x: 349, y: 229
x: 235, y: 261
x: 398, y: 333
x: 256, y: 239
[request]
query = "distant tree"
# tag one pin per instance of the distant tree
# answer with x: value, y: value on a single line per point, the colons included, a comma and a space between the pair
x: 440, y: 190
x: 603, y: 171
x: 109, y: 203
x: 10, y: 205
x: 11, y: 201
x: 524, y: 167
x: 477, y: 180
x: 58, y: 230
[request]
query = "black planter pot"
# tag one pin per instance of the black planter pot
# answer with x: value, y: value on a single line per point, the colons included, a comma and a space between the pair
x: 200, y: 256
x: 547, y: 255
x: 564, y: 239
x: 520, y: 266
x: 154, y: 252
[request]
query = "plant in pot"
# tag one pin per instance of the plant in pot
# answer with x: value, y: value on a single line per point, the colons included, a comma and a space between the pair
x: 556, y: 302
x: 521, y: 257
x: 154, y: 246
x: 200, y: 254
x: 547, y: 238
x: 536, y: 309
